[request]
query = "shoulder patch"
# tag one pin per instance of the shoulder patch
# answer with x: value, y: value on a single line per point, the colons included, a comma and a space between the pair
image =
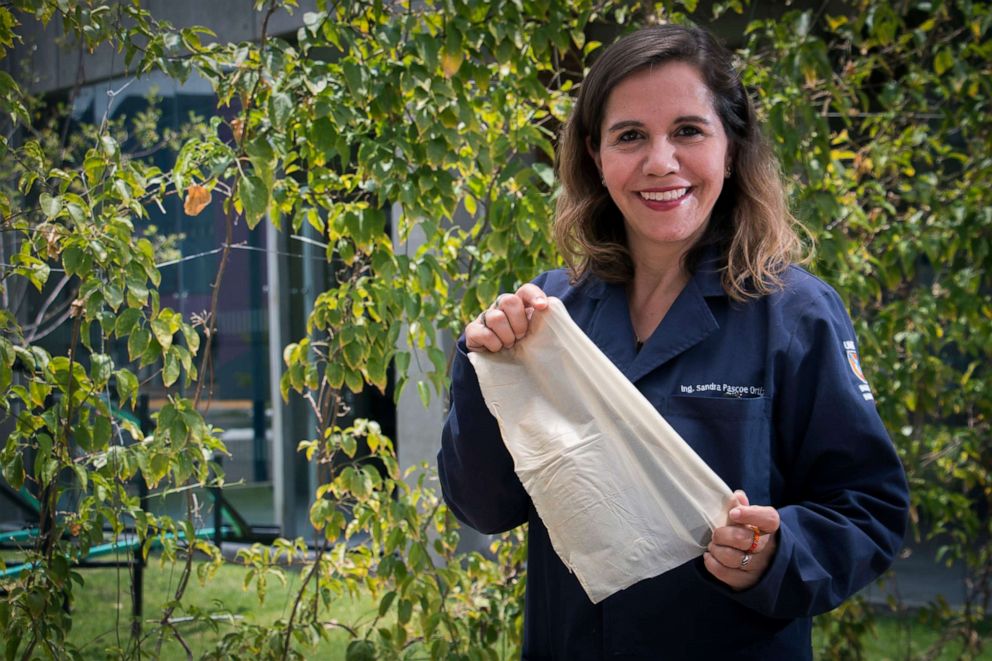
x: 854, y: 362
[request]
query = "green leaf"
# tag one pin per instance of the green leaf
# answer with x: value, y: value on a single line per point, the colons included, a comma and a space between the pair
x: 83, y: 437
x: 387, y: 599
x: 192, y: 338
x: 13, y: 470
x: 280, y: 109
x: 404, y: 611
x: 360, y: 650
x: 113, y: 295
x: 546, y: 173
x: 81, y: 475
x: 943, y: 61
x: 6, y: 375
x: 334, y: 374
x: 353, y: 379
x: 163, y: 332
x: 254, y: 198
x: 101, y: 367
x: 137, y: 343
x: 127, y: 386
x: 50, y: 206
x: 126, y: 321
x: 402, y: 359
x: 354, y: 76
x: 109, y: 145
x: 170, y: 367
x: 349, y: 445
x: 319, y: 512
x: 102, y: 432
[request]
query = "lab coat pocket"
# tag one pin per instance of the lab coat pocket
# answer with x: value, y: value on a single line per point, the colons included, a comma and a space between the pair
x: 731, y: 434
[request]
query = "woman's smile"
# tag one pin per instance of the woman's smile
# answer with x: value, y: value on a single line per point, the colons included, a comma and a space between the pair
x: 670, y: 195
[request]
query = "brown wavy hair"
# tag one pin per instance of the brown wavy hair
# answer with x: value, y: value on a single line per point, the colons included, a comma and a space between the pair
x: 750, y: 225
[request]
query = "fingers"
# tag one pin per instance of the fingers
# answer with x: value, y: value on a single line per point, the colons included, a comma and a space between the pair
x: 506, y: 321
x: 532, y: 297
x: 763, y: 518
x: 741, y: 538
x: 741, y: 552
x: 736, y: 578
x: 739, y: 569
x: 511, y: 308
x: 480, y: 338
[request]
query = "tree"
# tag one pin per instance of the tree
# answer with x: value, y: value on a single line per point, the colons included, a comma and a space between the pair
x: 880, y: 119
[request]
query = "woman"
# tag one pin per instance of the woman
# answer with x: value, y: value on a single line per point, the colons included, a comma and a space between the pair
x: 673, y: 220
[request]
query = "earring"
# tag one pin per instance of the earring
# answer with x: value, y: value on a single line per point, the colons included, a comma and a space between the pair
x: 727, y: 173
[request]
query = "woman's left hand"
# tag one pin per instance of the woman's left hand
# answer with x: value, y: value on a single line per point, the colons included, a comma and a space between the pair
x: 733, y: 556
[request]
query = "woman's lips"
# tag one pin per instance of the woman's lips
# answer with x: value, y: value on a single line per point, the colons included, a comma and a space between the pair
x: 667, y: 199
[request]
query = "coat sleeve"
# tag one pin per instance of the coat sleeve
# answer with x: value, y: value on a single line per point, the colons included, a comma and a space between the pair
x: 474, y: 466
x: 846, y: 500
x: 476, y: 472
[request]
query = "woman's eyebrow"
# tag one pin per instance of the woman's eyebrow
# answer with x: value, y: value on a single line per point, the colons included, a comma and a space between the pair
x: 692, y: 119
x: 625, y: 124
x: 633, y: 123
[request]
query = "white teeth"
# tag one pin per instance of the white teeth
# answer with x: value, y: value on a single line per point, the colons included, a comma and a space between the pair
x: 665, y: 196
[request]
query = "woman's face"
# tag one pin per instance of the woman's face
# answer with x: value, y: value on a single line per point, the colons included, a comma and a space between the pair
x: 664, y: 155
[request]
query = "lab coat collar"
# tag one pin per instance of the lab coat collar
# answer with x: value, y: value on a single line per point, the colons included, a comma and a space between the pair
x: 708, y: 273
x: 688, y: 322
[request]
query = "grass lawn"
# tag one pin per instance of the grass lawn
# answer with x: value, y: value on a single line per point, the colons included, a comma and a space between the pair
x: 102, y: 614
x: 905, y: 638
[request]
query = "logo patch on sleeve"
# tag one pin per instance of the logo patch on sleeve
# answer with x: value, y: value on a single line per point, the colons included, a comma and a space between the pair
x: 855, y: 364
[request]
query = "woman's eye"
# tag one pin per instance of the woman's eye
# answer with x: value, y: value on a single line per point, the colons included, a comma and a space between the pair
x: 628, y: 136
x: 688, y: 131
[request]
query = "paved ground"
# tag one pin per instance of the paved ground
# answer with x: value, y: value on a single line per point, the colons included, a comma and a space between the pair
x: 917, y: 578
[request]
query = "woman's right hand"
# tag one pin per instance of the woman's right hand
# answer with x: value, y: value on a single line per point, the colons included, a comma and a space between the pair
x: 508, y: 320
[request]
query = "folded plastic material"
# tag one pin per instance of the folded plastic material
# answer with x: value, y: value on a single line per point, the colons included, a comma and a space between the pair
x: 623, y: 496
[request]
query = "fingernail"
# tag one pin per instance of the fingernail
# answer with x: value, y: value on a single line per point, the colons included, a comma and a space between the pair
x: 529, y: 312
x: 735, y: 514
x: 540, y: 300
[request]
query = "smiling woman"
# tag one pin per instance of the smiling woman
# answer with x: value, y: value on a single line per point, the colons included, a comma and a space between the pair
x: 751, y: 221
x: 682, y: 272
x: 663, y: 155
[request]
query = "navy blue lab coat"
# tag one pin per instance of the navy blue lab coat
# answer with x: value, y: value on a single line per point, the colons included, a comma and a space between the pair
x: 771, y: 395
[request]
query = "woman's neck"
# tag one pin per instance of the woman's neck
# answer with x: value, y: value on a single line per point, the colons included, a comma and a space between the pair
x: 652, y: 292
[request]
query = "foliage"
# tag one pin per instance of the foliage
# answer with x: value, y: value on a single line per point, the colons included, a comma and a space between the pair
x: 438, y: 119
x: 881, y: 118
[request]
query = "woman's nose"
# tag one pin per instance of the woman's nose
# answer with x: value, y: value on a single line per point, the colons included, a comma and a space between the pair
x: 661, y: 158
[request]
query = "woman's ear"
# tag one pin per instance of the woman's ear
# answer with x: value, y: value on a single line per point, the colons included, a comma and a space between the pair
x: 594, y: 153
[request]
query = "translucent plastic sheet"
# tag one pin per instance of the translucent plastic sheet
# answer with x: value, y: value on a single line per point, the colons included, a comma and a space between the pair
x: 624, y: 498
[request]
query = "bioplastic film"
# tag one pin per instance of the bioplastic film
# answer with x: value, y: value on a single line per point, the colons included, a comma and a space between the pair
x: 623, y: 496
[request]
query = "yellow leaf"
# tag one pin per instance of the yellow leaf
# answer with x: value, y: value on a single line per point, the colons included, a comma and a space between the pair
x: 836, y: 21
x: 197, y: 197
x: 451, y: 63
x: 842, y: 154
